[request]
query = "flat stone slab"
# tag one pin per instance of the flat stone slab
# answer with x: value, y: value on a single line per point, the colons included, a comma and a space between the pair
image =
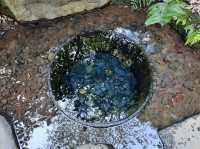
x: 7, y: 140
x: 183, y: 135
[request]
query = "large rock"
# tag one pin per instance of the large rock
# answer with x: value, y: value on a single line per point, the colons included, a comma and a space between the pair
x: 29, y: 10
x: 184, y: 135
x: 7, y: 140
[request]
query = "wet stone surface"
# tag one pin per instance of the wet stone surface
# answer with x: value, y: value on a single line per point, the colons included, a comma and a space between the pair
x: 62, y: 133
x: 97, y: 78
x: 27, y: 51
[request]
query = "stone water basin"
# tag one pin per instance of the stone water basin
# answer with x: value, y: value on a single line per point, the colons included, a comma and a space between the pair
x: 100, y: 79
x: 87, y: 111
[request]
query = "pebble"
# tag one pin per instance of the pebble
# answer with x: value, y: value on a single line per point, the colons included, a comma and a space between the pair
x: 51, y: 56
x: 4, y: 101
x: 188, y: 85
x: 82, y: 91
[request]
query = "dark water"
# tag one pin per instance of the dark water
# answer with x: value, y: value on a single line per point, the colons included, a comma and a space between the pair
x: 100, y: 78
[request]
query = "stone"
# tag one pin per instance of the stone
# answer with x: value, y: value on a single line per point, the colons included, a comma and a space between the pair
x: 29, y: 10
x: 6, y: 137
x: 184, y: 135
x: 51, y: 56
x: 188, y: 85
x: 83, y: 91
x: 4, y: 101
x: 41, y: 39
x: 95, y: 146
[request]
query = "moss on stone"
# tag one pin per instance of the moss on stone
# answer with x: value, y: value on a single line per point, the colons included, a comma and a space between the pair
x: 5, y: 10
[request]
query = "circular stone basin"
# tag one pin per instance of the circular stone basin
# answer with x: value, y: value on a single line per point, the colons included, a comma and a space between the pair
x: 100, y: 79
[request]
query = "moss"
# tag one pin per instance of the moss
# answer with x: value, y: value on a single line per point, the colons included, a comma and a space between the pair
x: 5, y: 10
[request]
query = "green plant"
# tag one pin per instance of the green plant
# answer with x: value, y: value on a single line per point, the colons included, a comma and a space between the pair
x: 174, y: 10
x: 165, y: 12
x: 135, y: 4
x: 138, y: 4
x: 193, y: 37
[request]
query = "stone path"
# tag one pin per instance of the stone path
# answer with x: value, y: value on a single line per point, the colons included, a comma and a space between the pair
x: 183, y: 135
x: 7, y: 140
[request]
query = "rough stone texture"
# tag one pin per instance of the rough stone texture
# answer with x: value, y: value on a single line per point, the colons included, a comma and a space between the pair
x: 7, y: 140
x: 26, y: 52
x: 61, y: 132
x: 195, y: 5
x: 28, y: 10
x: 97, y: 146
x: 184, y: 135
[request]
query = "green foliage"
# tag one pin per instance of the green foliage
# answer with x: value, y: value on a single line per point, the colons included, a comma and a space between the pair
x: 135, y: 4
x: 174, y: 10
x: 193, y: 37
x: 165, y: 12
x: 138, y: 4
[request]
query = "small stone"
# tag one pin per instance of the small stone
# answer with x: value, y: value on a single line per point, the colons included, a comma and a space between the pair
x: 188, y: 85
x: 82, y: 91
x: 197, y: 81
x: 4, y: 101
x: 152, y: 48
x: 51, y: 56
x: 174, y: 66
x: 108, y: 72
x: 4, y: 108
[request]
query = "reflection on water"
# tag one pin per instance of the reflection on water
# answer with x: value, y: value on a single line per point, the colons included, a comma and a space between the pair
x: 100, y: 77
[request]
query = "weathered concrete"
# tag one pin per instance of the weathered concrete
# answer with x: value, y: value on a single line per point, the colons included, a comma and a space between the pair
x: 28, y: 10
x: 7, y: 140
x: 184, y: 135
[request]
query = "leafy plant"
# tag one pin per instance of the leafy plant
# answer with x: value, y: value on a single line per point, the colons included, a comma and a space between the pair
x: 174, y: 10
x: 193, y: 37
x: 135, y: 4
x: 138, y: 4
x: 165, y: 12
